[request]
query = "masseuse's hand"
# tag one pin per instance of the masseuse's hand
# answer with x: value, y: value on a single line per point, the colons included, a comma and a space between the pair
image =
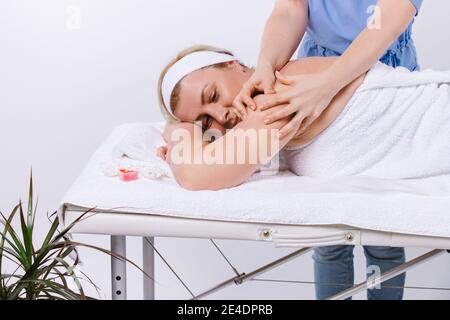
x: 262, y: 80
x: 305, y: 96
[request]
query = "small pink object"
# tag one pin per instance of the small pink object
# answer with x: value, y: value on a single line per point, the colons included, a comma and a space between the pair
x: 128, y: 174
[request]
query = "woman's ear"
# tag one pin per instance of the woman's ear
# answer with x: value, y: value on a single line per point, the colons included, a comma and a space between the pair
x: 231, y: 63
x: 237, y: 64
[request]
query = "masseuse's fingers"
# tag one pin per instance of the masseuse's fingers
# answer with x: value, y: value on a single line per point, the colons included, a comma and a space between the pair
x: 269, y: 91
x: 280, y: 114
x: 275, y: 100
x: 306, y: 123
x: 249, y: 102
x: 243, y: 99
x: 238, y: 106
x: 267, y: 86
x: 287, y: 80
x: 237, y: 113
x: 292, y: 125
x: 247, y: 93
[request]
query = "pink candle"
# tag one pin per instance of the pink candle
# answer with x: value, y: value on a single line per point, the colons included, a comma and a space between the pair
x: 128, y: 174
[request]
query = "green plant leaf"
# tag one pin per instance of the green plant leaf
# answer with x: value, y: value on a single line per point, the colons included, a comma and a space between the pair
x: 17, y: 289
x: 110, y: 253
x: 62, y: 253
x: 67, y: 229
x: 43, y: 272
x: 10, y: 255
x: 51, y: 232
x: 72, y: 274
x: 26, y: 237
x: 30, y: 204
x: 5, y: 230
x: 8, y: 276
x: 17, y: 245
x: 47, y: 285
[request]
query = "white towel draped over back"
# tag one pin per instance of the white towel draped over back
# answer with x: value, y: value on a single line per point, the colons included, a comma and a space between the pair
x: 396, y: 126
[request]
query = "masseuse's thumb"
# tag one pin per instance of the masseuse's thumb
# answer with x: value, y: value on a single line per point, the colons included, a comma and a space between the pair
x: 268, y: 87
x: 286, y: 80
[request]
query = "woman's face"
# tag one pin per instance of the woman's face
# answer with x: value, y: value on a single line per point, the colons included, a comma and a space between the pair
x: 207, y: 95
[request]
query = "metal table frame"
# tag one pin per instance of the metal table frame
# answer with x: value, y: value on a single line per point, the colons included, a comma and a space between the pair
x: 290, y: 236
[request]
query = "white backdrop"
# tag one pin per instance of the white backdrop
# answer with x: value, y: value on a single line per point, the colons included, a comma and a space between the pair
x: 64, y: 86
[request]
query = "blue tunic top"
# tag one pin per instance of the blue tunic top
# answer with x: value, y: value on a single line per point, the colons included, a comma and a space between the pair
x: 334, y: 24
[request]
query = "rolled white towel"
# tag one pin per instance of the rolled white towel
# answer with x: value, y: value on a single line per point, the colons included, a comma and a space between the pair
x: 138, y: 151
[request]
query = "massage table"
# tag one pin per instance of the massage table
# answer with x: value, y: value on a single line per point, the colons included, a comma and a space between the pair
x: 284, y: 209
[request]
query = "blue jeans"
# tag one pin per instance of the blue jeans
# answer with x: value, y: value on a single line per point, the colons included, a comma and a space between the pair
x: 333, y: 270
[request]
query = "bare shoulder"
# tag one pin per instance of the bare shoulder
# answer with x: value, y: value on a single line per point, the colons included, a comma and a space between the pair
x: 261, y: 98
x: 259, y: 115
x: 308, y: 65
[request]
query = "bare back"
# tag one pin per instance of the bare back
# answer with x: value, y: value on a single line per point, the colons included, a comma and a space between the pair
x: 313, y: 65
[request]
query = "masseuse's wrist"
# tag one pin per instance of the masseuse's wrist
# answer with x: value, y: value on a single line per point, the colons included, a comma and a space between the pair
x: 265, y: 64
x: 333, y: 83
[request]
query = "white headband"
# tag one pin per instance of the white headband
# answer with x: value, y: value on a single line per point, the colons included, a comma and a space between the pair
x: 186, y: 65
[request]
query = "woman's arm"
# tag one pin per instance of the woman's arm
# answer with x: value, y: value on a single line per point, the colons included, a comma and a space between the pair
x: 223, y: 163
x: 282, y: 34
x: 310, y: 95
x: 391, y: 18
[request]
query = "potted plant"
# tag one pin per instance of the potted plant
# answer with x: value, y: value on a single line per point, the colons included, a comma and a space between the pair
x: 45, y: 271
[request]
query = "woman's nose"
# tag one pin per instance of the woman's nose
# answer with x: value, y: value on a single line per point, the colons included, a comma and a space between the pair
x: 220, y: 113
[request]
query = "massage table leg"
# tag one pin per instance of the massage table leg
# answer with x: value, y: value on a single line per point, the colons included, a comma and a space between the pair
x: 118, y: 269
x: 148, y: 267
x: 387, y: 275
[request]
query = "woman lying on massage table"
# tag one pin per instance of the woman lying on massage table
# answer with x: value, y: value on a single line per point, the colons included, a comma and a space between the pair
x: 359, y: 132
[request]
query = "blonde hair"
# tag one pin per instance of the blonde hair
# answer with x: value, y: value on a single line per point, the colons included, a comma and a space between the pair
x: 174, y: 96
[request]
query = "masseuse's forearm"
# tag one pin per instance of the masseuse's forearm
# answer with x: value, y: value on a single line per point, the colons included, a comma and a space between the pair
x: 372, y: 43
x: 283, y: 32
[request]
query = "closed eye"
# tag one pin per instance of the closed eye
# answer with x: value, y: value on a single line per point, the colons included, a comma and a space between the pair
x: 214, y: 97
x: 206, y: 122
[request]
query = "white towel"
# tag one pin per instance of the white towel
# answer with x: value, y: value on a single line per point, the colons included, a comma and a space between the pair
x: 137, y: 150
x: 396, y: 126
x: 413, y: 206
